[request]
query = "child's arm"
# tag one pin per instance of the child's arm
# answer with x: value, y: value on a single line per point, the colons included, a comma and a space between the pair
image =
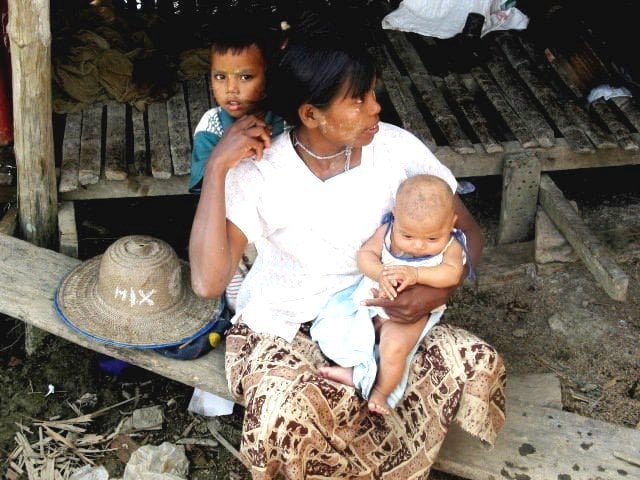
x: 370, y: 264
x: 447, y: 274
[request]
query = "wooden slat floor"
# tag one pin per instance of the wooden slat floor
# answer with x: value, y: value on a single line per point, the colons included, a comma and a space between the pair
x: 512, y: 100
x: 515, y: 100
x: 114, y: 150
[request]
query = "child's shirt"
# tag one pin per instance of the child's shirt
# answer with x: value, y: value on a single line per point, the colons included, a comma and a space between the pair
x: 207, y: 135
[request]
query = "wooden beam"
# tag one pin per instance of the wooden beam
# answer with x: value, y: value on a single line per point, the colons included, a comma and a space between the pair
x: 134, y: 186
x: 591, y: 251
x: 30, y: 37
x: 541, y: 443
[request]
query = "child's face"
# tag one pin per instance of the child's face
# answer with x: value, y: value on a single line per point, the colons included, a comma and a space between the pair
x: 238, y: 80
x: 418, y: 237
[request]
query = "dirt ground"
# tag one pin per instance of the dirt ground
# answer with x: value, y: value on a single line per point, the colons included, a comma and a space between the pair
x: 556, y: 321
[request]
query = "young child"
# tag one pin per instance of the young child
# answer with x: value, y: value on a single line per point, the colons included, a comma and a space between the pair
x: 417, y: 244
x: 242, y: 50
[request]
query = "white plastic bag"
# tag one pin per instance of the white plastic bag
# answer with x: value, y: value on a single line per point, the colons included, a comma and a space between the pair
x: 446, y: 18
x: 164, y: 462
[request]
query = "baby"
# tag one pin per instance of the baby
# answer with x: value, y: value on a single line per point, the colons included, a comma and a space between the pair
x: 417, y: 244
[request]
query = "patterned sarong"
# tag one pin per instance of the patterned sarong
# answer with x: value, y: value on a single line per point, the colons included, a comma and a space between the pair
x: 299, y: 425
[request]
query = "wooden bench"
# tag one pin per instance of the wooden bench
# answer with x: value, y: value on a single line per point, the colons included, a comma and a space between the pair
x: 539, y: 441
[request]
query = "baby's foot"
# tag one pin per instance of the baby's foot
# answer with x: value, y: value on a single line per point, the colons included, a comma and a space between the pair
x: 378, y: 403
x: 342, y: 375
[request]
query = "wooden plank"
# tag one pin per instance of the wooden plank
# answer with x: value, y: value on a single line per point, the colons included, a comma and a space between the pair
x: 430, y: 93
x: 404, y: 102
x: 70, y: 153
x: 30, y: 276
x: 561, y: 84
x: 9, y: 221
x: 541, y: 443
x: 565, y: 71
x: 601, y: 109
x: 541, y: 91
x: 472, y: 113
x: 592, y: 252
x: 115, y: 142
x: 541, y: 389
x: 629, y: 107
x: 68, y: 232
x: 90, y: 145
x: 179, y: 136
x: 198, y: 101
x: 159, y: 151
x: 519, y: 99
x: 141, y: 186
x: 496, y: 98
x: 520, y: 180
x: 140, y: 151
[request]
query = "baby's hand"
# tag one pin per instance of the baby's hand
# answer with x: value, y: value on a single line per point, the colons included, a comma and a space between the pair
x: 387, y: 287
x: 401, y: 276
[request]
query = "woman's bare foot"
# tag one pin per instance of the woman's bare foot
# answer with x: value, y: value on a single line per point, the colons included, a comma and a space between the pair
x: 378, y: 403
x: 342, y: 375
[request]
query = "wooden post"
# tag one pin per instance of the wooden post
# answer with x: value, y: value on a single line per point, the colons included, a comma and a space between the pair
x: 6, y: 130
x: 520, y: 181
x: 30, y: 37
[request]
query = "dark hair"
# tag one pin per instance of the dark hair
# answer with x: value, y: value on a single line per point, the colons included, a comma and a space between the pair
x: 235, y: 29
x: 322, y: 54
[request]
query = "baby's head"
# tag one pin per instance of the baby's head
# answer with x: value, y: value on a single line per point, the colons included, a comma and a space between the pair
x: 424, y: 216
x: 242, y: 46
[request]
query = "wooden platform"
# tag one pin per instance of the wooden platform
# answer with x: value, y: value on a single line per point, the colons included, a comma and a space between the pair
x: 517, y: 113
x: 114, y: 150
x: 512, y: 100
x: 538, y: 442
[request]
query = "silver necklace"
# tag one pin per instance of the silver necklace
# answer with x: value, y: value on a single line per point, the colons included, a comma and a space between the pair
x: 346, y: 151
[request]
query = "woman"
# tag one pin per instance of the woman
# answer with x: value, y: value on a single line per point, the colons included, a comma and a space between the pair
x: 308, y: 199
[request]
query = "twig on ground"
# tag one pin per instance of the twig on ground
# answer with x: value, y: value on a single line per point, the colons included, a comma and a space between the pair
x: 214, y: 431
x: 631, y: 461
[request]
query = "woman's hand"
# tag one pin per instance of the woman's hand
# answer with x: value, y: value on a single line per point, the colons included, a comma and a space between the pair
x: 412, y: 304
x: 247, y: 137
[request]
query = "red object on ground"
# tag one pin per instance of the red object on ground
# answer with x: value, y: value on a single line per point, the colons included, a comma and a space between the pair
x: 6, y: 120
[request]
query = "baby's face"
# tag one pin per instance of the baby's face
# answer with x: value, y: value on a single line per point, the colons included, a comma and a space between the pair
x: 238, y: 80
x: 420, y: 237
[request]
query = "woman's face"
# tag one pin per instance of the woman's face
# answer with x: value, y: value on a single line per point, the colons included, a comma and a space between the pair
x: 350, y: 121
